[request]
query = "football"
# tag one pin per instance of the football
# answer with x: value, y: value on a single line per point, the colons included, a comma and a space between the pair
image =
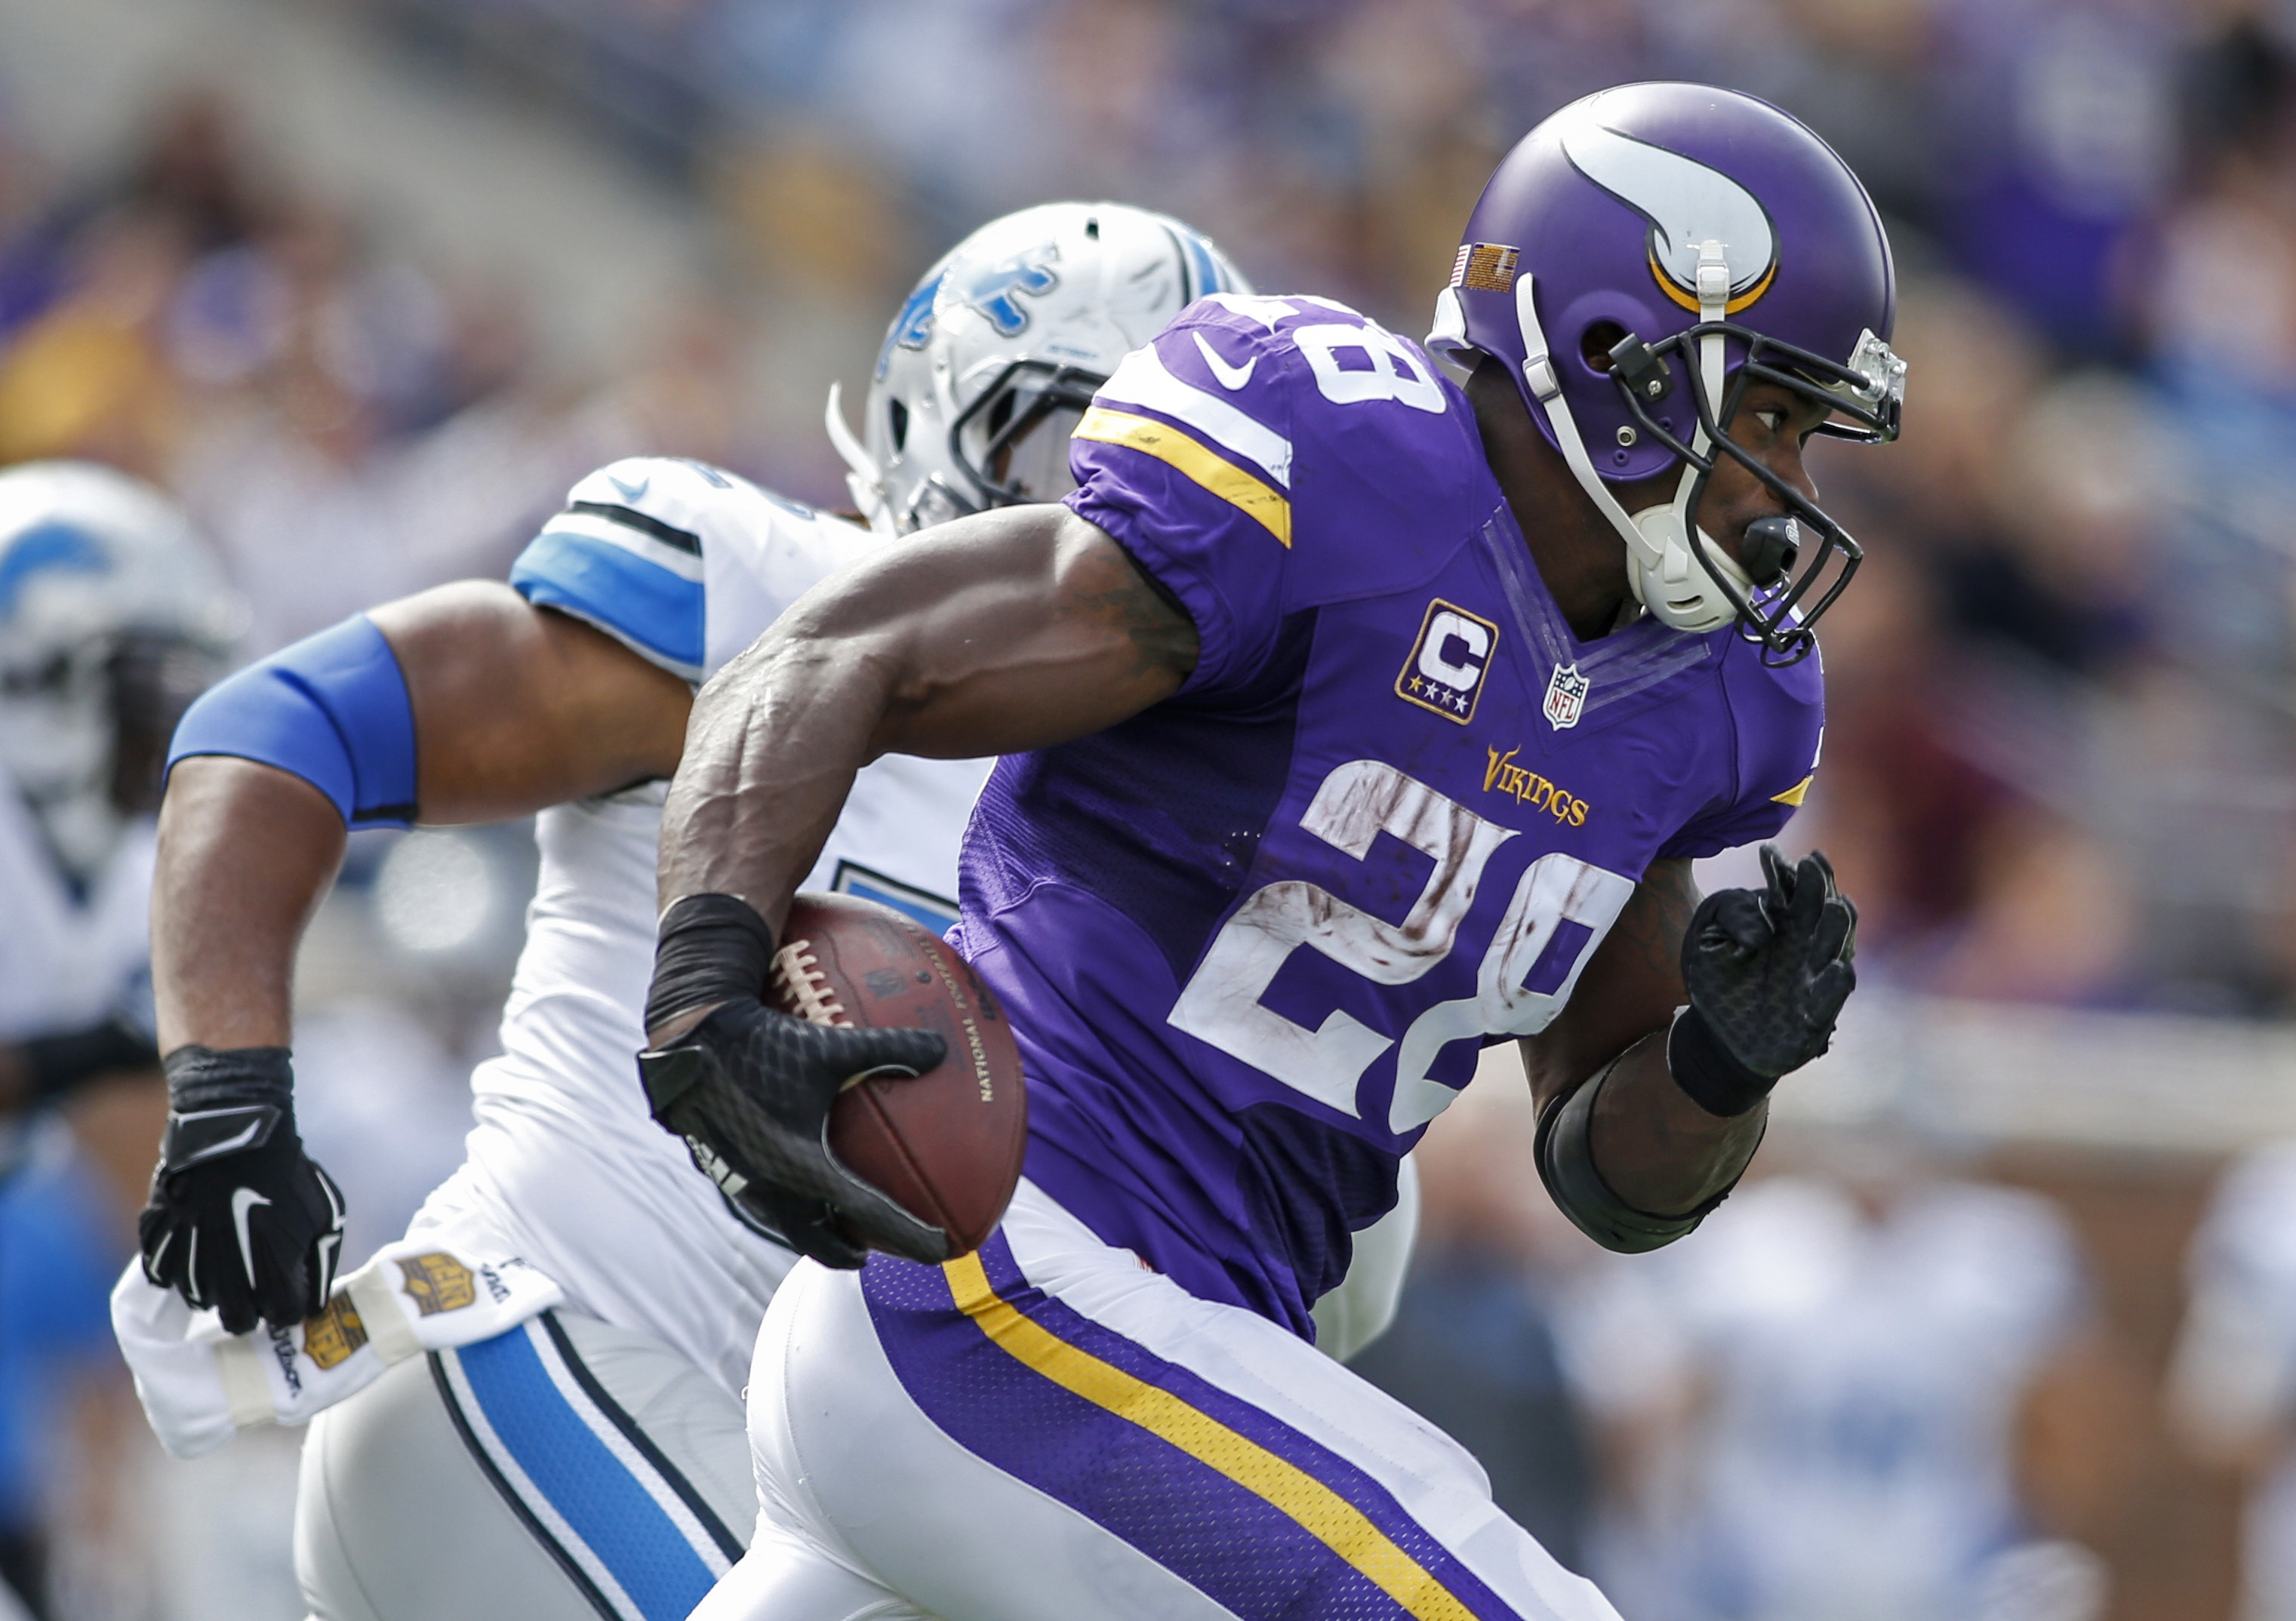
x: 946, y: 1146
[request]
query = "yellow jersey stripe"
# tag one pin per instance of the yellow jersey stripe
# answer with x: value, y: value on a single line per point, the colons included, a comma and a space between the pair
x: 1793, y: 796
x: 1170, y: 445
x: 1328, y: 1517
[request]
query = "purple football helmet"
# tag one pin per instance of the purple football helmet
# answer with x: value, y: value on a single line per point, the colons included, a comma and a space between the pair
x: 1635, y: 261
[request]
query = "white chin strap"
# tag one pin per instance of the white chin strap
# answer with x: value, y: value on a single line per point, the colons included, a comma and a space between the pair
x: 866, y: 481
x: 1663, y: 572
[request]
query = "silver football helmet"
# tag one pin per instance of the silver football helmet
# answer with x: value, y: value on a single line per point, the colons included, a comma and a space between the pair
x: 997, y: 352
x: 113, y: 617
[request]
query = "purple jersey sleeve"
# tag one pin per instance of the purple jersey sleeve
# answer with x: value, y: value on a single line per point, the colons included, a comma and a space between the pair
x: 1259, y: 457
x: 1777, y: 718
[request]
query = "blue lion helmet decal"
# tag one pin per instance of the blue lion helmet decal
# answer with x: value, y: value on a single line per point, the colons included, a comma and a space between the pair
x: 914, y: 325
x: 994, y: 290
x: 49, y: 548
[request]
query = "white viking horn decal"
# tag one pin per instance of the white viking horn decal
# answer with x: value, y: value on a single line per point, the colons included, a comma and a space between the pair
x: 1687, y: 204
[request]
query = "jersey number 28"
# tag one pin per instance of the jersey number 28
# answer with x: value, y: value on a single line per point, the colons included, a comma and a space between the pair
x: 1221, y: 1002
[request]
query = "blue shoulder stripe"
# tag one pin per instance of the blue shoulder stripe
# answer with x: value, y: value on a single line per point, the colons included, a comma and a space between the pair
x: 659, y: 614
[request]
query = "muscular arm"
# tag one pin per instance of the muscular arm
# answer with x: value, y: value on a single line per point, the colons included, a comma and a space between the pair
x: 515, y: 709
x: 1658, y: 1151
x: 1011, y: 630
x: 519, y: 708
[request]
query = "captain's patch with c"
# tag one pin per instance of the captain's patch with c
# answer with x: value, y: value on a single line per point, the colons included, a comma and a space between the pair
x: 1444, y: 670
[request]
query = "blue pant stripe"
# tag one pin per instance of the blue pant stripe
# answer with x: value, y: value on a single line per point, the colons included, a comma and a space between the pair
x: 729, y: 1545
x: 589, y: 1487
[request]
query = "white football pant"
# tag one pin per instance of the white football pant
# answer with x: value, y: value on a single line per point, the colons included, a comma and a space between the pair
x: 1047, y: 1430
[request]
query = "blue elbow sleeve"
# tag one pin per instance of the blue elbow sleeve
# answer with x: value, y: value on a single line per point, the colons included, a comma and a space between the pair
x: 332, y: 709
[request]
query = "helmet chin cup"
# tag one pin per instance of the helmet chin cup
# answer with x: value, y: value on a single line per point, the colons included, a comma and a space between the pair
x: 1668, y: 577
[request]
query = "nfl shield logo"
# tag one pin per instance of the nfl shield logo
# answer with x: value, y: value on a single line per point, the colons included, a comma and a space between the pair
x: 1566, y: 695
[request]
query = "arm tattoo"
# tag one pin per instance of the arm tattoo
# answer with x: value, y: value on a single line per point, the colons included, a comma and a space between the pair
x: 1155, y: 621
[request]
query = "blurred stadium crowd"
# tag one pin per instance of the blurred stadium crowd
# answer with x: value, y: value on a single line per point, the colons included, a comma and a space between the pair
x: 2061, y: 764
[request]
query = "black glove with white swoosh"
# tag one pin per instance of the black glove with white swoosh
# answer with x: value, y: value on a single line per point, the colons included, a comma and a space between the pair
x: 240, y: 1218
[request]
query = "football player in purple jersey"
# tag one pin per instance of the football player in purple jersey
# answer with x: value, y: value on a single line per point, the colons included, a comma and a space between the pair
x: 1352, y: 721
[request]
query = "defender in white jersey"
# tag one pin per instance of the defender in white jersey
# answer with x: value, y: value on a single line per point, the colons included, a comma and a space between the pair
x: 530, y: 1403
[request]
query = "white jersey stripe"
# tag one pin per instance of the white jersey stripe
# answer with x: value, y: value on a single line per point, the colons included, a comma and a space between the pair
x: 1142, y: 380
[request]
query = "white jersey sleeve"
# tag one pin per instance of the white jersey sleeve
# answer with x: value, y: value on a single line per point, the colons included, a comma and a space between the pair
x: 682, y: 562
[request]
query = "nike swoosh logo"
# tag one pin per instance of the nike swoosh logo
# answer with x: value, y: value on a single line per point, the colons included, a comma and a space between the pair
x: 630, y: 492
x: 243, y: 1200
x: 194, y: 1293
x: 1231, y: 378
x: 241, y: 1139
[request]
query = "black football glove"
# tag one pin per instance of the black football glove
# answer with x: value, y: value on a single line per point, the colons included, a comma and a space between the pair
x: 1768, y: 971
x: 238, y: 1219
x: 750, y: 1090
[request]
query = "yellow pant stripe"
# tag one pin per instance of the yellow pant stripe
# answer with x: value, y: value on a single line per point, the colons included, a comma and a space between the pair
x: 1168, y: 445
x: 1331, y: 1518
